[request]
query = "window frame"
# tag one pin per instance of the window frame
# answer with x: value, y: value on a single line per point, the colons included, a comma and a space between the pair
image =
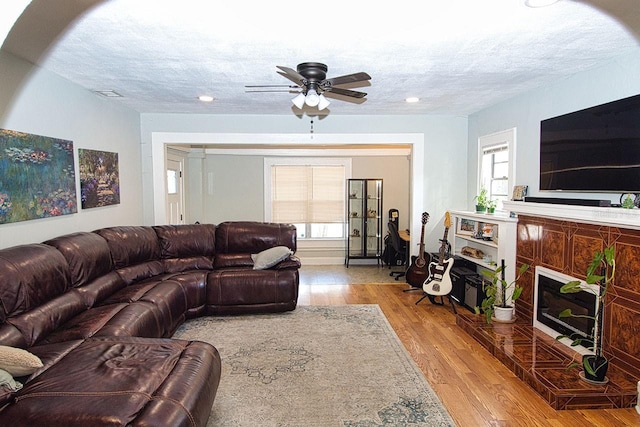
x: 487, y: 142
x: 269, y: 162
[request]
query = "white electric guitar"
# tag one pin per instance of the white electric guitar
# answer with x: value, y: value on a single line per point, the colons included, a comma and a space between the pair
x: 439, y: 281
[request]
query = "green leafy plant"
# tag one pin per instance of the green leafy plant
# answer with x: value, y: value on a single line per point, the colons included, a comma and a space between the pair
x: 628, y: 203
x: 481, y: 200
x: 600, y: 273
x: 491, y: 206
x: 496, y: 290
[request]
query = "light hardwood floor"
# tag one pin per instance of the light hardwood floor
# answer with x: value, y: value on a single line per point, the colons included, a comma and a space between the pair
x: 475, y: 387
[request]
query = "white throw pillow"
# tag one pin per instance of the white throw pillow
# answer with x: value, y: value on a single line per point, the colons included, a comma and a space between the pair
x: 270, y: 257
x: 18, y: 362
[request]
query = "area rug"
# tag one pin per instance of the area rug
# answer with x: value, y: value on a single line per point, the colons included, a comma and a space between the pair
x: 315, y: 366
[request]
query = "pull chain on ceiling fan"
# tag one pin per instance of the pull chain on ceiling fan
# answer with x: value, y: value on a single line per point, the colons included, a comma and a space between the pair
x: 310, y: 78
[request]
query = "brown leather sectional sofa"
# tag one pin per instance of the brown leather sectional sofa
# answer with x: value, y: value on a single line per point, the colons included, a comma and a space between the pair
x: 99, y: 308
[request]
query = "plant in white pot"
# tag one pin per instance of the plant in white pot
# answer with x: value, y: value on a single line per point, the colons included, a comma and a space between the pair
x: 500, y: 294
x: 600, y: 273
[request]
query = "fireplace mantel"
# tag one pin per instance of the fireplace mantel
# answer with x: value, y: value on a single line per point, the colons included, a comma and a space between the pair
x: 615, y: 217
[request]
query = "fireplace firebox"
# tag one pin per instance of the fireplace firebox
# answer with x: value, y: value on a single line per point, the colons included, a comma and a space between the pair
x: 549, y: 302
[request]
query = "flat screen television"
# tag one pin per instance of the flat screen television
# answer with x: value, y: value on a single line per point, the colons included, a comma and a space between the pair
x: 592, y: 150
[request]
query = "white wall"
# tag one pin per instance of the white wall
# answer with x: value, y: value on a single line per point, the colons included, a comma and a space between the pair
x: 394, y: 172
x: 445, y: 150
x: 36, y: 101
x: 618, y: 79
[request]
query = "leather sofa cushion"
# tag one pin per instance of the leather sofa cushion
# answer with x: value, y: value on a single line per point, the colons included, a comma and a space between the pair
x: 86, y: 253
x: 184, y: 241
x: 120, y: 381
x: 84, y: 325
x: 31, y: 276
x: 131, y: 245
x: 168, y: 297
x: 246, y: 287
x: 252, y: 237
x: 138, y: 272
x: 38, y: 323
x: 186, y: 247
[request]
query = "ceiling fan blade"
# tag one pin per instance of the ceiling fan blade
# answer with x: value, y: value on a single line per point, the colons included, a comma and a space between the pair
x: 291, y: 90
x: 349, y: 78
x: 346, y: 92
x: 289, y: 86
x: 292, y: 75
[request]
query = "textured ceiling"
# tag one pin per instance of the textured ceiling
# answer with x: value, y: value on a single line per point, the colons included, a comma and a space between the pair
x: 457, y: 56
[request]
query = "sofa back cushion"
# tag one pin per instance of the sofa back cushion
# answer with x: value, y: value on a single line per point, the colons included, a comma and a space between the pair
x: 35, y: 293
x: 131, y: 245
x: 86, y: 253
x: 248, y: 237
x: 135, y: 251
x: 186, y: 247
x: 31, y: 276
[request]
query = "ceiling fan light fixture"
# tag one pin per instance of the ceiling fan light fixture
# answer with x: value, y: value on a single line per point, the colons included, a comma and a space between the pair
x: 205, y: 98
x: 312, y: 99
x: 324, y: 102
x: 412, y: 99
x: 298, y: 101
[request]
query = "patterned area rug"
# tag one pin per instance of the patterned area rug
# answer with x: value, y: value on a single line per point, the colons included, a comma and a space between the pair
x: 316, y: 366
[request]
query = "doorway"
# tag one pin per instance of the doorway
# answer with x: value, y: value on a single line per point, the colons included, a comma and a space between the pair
x: 175, y: 190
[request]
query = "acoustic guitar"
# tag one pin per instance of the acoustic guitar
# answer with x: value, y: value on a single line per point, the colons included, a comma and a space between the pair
x: 439, y: 281
x: 418, y: 271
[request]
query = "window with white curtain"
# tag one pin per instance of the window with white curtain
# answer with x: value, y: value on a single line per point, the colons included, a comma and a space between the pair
x: 310, y: 196
x: 496, y: 164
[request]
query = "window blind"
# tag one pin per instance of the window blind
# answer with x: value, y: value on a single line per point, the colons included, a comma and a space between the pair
x: 307, y: 194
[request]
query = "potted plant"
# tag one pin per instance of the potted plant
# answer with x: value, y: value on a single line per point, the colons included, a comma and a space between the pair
x: 491, y: 206
x: 481, y: 200
x: 600, y: 273
x: 498, y: 304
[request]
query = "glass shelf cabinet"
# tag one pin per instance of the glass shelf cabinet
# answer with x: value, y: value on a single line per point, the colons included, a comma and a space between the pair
x: 364, y: 219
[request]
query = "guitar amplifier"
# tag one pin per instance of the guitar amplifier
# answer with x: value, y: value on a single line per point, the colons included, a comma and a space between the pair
x: 473, y: 292
x: 459, y: 276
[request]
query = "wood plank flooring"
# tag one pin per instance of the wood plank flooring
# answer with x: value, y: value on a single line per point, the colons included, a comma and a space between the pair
x: 475, y: 387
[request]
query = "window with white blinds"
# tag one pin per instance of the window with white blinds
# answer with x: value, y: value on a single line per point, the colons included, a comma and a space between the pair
x: 307, y: 194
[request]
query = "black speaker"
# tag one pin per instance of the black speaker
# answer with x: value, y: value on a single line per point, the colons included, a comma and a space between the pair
x: 562, y: 201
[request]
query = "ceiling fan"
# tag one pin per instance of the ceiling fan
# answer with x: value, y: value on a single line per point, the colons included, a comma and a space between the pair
x: 312, y: 82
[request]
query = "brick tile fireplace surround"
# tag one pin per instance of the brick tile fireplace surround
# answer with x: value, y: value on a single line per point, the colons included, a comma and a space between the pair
x: 563, y: 238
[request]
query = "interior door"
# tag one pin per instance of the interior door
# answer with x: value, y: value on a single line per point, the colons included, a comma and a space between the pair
x: 175, y: 191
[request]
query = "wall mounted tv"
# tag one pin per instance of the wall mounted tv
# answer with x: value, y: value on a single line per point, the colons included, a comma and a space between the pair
x: 593, y: 150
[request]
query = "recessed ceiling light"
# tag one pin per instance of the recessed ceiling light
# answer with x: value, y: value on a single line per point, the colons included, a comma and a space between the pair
x: 205, y: 98
x: 109, y: 93
x: 412, y: 99
x: 540, y: 3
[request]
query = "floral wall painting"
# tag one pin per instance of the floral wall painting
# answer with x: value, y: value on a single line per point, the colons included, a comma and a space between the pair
x: 99, y: 178
x: 37, y: 177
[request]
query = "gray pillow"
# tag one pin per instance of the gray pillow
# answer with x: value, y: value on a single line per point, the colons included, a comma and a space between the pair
x: 270, y: 257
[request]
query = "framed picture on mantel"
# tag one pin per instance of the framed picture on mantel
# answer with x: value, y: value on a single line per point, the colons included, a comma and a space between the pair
x: 519, y: 192
x: 466, y: 227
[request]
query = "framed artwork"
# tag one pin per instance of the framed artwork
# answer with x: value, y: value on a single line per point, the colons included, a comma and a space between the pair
x: 99, y: 178
x: 519, y: 192
x: 466, y: 227
x: 37, y: 178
